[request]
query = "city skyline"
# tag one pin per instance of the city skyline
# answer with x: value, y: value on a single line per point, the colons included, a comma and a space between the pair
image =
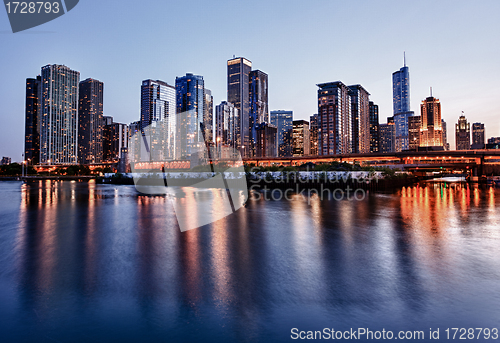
x: 455, y: 74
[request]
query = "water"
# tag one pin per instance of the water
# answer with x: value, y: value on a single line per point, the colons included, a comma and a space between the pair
x: 81, y: 262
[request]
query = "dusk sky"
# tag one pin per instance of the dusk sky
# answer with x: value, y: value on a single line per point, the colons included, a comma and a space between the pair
x: 452, y: 46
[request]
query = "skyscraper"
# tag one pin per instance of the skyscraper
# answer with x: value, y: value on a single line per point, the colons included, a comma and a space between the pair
x: 387, y: 137
x: 478, y: 138
x: 283, y: 120
x: 360, y: 114
x: 431, y: 131
x: 445, y: 135
x: 462, y: 134
x: 190, y: 90
x: 227, y: 127
x: 414, y: 124
x: 266, y: 140
x: 374, y: 128
x: 90, y: 121
x: 334, y: 119
x: 208, y: 117
x: 258, y: 105
x: 301, y: 139
x: 32, y: 123
x: 401, y: 106
x: 59, y: 115
x: 238, y: 93
x: 313, y: 134
x: 158, y: 112
x: 115, y: 138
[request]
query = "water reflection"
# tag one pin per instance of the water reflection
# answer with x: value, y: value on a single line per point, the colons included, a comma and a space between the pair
x: 102, y: 260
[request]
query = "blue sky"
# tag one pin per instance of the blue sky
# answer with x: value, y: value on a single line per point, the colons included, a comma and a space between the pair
x: 452, y: 46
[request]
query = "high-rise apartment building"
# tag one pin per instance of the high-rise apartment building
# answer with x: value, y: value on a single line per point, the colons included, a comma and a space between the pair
x: 266, y: 140
x: 259, y: 112
x: 32, y: 121
x: 313, y: 134
x: 283, y: 120
x: 90, y: 126
x: 478, y: 136
x: 401, y: 106
x: 208, y: 117
x: 387, y: 137
x: 360, y: 116
x: 115, y: 138
x: 190, y: 90
x: 59, y: 115
x: 446, y: 145
x: 431, y: 130
x: 158, y: 115
x: 334, y: 119
x: 227, y: 126
x: 238, y: 93
x: 374, y: 128
x: 301, y: 139
x: 414, y: 124
x: 462, y: 134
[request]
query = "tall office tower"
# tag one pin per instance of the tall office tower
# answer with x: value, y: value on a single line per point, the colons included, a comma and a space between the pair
x: 32, y: 127
x: 360, y: 114
x: 283, y: 120
x: 301, y: 138
x: 414, y: 123
x: 387, y: 137
x: 59, y: 115
x: 115, y: 138
x: 238, y: 93
x: 334, y: 119
x: 208, y: 117
x: 227, y: 127
x: 134, y: 138
x: 446, y: 145
x: 313, y: 134
x: 266, y: 140
x: 258, y: 105
x: 478, y: 136
x: 158, y: 115
x: 374, y: 128
x: 431, y: 131
x: 401, y: 106
x: 90, y: 121
x: 462, y: 133
x: 190, y: 91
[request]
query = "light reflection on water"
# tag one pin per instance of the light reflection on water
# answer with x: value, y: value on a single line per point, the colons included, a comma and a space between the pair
x: 80, y: 262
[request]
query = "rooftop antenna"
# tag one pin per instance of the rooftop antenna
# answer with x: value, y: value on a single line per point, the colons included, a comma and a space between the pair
x: 431, y: 92
x: 404, y: 57
x: 234, y: 56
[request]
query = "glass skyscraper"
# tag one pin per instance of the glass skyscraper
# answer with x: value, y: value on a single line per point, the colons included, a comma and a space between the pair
x: 208, y: 117
x: 360, y: 112
x: 238, y: 93
x: 283, y: 120
x: 190, y: 90
x: 59, y: 115
x: 90, y: 122
x: 374, y: 128
x: 227, y: 128
x: 401, y: 106
x: 313, y: 134
x: 258, y: 105
x: 334, y: 119
x: 32, y: 124
x: 158, y: 106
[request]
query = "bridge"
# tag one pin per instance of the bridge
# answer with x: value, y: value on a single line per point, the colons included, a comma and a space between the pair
x: 479, y: 162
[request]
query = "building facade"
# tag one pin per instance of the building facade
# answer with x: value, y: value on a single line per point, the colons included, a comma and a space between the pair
x: 259, y: 112
x: 374, y: 128
x: 414, y: 124
x: 301, y: 139
x: 238, y: 93
x: 387, y: 138
x: 208, y: 117
x: 115, y: 138
x: 334, y: 119
x: 478, y: 136
x: 266, y: 140
x: 360, y: 119
x: 462, y: 134
x: 313, y: 134
x: 227, y: 127
x: 431, y: 131
x: 32, y: 121
x: 283, y: 120
x: 59, y: 115
x: 90, y: 126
